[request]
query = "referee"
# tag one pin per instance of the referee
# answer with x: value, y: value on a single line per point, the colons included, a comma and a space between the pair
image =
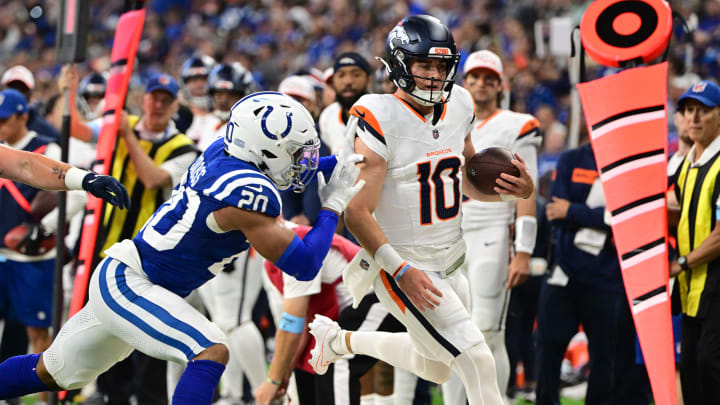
x: 698, y: 265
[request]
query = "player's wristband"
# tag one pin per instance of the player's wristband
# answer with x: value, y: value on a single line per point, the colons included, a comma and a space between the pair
x: 525, y: 233
x: 291, y: 323
x: 74, y: 178
x: 400, y: 272
x: 273, y: 382
x: 389, y: 259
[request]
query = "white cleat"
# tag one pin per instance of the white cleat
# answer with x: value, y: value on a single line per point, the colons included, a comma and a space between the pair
x: 324, y: 330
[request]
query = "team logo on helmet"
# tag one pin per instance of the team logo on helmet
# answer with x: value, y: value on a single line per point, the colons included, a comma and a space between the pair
x: 164, y: 80
x: 263, y: 124
x: 398, y: 36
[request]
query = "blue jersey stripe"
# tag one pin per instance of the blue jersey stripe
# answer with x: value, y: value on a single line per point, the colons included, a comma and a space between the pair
x: 157, y: 311
x: 132, y: 318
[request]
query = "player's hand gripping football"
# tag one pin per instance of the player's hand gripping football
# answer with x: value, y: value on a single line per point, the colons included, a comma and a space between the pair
x: 511, y: 186
x: 336, y: 193
x: 417, y: 286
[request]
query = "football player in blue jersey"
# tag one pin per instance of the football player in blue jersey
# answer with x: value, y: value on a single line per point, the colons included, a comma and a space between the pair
x: 226, y: 201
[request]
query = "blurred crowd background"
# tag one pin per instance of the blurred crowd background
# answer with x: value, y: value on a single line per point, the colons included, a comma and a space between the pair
x: 275, y: 38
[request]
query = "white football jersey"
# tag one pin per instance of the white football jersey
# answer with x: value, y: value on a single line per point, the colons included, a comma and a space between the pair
x: 419, y: 207
x: 202, y: 130
x: 516, y: 132
x: 332, y: 127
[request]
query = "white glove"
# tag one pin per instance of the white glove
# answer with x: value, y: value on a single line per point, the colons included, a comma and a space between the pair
x: 336, y: 194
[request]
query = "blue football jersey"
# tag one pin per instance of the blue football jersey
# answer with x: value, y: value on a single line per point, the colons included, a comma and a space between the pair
x: 181, y: 245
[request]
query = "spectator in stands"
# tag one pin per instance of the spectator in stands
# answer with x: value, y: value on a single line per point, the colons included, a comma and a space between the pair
x: 21, y: 79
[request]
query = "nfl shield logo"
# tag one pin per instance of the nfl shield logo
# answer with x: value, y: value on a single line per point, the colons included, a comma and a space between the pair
x: 364, y: 264
x: 436, y: 134
x: 699, y: 87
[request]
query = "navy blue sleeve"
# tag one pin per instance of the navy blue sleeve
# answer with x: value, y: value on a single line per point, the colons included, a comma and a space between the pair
x: 582, y: 215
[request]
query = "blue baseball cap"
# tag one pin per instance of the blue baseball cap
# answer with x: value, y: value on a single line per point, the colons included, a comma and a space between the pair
x: 704, y: 91
x: 12, y: 102
x: 164, y: 82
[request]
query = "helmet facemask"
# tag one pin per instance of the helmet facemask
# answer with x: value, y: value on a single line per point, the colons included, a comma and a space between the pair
x: 303, y: 162
x: 402, y: 77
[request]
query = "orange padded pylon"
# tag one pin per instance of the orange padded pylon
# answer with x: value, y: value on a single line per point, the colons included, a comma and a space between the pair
x: 627, y: 122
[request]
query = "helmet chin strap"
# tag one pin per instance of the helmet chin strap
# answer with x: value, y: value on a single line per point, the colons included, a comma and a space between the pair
x: 422, y: 97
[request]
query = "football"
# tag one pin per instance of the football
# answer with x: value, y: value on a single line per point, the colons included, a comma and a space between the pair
x: 31, y: 241
x: 485, y: 167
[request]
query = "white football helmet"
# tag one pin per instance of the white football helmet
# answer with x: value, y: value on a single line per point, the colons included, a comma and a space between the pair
x: 277, y: 134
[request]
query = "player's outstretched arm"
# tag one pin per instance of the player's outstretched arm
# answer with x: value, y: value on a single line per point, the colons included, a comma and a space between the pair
x: 361, y: 222
x: 508, y: 186
x: 42, y: 172
x: 300, y: 258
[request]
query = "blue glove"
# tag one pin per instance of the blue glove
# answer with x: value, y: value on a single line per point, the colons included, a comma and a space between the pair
x: 326, y: 165
x: 107, y: 188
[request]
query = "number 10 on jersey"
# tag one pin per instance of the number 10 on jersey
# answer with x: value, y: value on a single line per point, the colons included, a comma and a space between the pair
x: 430, y: 179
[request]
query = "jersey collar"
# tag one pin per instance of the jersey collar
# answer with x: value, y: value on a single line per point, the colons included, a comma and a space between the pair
x: 417, y: 113
x: 709, y: 152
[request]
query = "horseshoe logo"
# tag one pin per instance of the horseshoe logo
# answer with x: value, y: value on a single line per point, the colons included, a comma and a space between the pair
x: 263, y: 124
x: 617, y: 31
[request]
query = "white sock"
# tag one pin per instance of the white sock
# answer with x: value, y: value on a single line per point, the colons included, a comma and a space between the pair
x: 397, y: 350
x: 368, y: 399
x: 247, y: 349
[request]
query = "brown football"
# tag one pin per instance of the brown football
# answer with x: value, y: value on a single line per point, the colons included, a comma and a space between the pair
x: 485, y: 167
x: 14, y: 237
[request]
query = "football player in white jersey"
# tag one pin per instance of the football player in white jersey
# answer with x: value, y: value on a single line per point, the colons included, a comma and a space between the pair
x: 408, y: 218
x: 227, y: 200
x: 491, y: 266
x: 194, y: 76
x: 350, y: 80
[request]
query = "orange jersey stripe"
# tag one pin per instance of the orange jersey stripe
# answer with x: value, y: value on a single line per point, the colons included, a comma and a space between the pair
x: 367, y: 116
x: 486, y: 120
x: 384, y: 277
x: 530, y: 125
